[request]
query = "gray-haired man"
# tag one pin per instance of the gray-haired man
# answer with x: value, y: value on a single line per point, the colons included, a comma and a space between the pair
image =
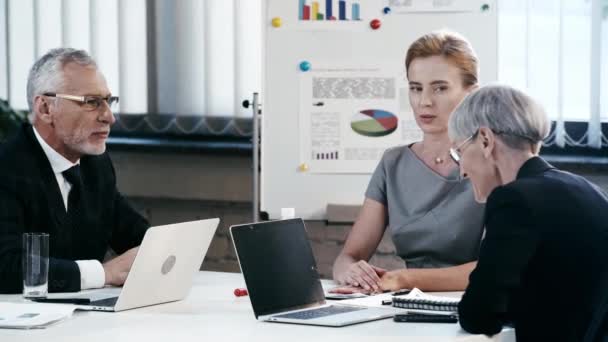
x: 57, y: 178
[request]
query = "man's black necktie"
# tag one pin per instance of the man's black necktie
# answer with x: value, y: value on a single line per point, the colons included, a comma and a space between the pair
x: 72, y: 175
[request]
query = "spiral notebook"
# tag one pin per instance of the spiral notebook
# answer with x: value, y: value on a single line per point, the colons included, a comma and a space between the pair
x: 418, y: 300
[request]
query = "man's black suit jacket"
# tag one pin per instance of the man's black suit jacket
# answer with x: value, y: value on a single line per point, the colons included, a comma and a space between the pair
x: 543, y: 264
x: 30, y: 201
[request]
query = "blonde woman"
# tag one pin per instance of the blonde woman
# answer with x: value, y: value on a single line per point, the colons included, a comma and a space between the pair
x: 416, y: 192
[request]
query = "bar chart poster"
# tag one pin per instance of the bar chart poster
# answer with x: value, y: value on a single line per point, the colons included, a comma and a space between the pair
x: 329, y: 10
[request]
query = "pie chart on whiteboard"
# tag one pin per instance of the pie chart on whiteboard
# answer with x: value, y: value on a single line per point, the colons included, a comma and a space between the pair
x: 374, y: 123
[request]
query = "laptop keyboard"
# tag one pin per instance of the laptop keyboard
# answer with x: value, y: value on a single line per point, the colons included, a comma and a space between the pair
x: 105, y: 302
x: 320, y: 312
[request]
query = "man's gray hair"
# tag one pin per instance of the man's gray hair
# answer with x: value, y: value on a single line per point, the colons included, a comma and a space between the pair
x: 46, y: 74
x: 515, y: 117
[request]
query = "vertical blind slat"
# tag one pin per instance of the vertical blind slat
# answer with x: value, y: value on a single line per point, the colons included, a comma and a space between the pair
x: 220, y: 63
x: 527, y: 41
x: 604, y: 73
x: 560, y: 130
x: 594, y: 132
x: 76, y: 28
x: 21, y: 48
x: 133, y: 56
x: 248, y: 52
x: 165, y: 34
x: 104, y: 41
x: 47, y: 20
x: 190, y: 57
x: 4, y: 71
x: 511, y: 57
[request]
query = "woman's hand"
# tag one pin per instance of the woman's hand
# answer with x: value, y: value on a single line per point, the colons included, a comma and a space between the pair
x: 350, y: 267
x: 395, y: 280
x: 361, y: 274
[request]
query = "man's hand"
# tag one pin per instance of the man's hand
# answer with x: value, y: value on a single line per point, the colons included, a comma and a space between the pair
x: 395, y: 280
x: 118, y: 268
x: 362, y: 274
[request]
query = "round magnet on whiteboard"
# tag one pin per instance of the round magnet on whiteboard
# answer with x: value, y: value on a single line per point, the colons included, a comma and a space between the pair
x: 485, y: 7
x: 386, y: 10
x: 276, y: 22
x: 375, y: 24
x: 303, y: 167
x: 305, y: 66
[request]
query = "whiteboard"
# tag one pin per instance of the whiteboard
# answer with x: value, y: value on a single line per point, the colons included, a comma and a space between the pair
x: 311, y: 142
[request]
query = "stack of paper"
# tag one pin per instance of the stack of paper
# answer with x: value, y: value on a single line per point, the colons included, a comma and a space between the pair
x: 418, y: 294
x: 32, y: 315
x: 418, y: 300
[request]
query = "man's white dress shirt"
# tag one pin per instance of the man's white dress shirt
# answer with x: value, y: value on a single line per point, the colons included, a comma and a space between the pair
x: 92, y: 274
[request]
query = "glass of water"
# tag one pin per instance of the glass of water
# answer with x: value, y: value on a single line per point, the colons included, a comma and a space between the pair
x: 35, y: 264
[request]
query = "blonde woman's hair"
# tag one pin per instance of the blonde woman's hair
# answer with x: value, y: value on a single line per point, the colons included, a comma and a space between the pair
x: 451, y: 45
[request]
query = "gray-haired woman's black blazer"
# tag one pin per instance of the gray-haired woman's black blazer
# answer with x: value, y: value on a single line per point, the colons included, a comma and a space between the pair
x: 543, y: 265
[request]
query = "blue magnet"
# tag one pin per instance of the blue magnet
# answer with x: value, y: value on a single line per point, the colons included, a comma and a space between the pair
x: 305, y: 66
x: 386, y: 10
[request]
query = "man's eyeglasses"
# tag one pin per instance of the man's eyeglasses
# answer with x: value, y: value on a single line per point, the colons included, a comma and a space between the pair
x: 88, y: 102
x: 455, y: 153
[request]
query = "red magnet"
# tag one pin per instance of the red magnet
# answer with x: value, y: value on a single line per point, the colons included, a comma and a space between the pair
x: 375, y: 24
x: 240, y: 292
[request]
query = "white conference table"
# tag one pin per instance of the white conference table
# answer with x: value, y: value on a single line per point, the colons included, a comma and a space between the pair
x: 212, y: 313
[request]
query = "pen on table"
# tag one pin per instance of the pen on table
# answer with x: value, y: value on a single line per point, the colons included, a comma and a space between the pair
x: 402, y: 292
x: 62, y: 300
x: 396, y: 293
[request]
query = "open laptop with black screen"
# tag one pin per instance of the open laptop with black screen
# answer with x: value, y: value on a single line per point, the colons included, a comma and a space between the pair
x: 282, y: 279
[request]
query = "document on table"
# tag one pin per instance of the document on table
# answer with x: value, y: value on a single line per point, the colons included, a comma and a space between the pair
x: 372, y: 301
x: 32, y: 315
x: 379, y: 299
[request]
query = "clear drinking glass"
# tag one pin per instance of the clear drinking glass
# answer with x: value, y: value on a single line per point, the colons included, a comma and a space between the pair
x: 35, y: 264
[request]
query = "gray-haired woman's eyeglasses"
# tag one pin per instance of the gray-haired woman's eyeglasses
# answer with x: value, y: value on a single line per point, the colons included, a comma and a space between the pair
x: 456, y: 152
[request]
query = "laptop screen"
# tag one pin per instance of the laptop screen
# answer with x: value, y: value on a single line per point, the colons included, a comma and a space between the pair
x: 278, y: 265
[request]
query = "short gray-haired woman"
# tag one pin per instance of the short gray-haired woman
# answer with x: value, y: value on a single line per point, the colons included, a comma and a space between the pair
x: 543, y: 265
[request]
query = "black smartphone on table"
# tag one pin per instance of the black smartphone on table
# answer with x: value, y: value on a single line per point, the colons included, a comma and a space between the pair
x: 425, y: 318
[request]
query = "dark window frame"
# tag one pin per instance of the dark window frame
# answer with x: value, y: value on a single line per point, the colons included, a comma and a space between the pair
x: 146, y: 139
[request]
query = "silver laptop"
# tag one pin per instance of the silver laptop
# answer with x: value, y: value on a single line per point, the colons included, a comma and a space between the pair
x: 282, y: 279
x: 163, y: 271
